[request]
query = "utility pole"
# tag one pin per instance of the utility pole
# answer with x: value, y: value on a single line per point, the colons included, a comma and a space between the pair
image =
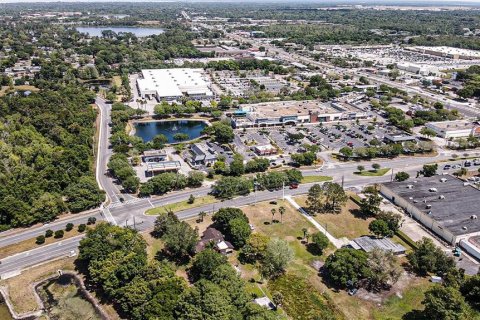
x: 283, y: 191
x: 343, y: 180
x: 391, y: 177
x: 134, y: 225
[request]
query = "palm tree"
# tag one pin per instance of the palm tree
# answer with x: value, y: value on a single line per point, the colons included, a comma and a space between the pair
x: 202, y: 215
x: 305, y: 232
x: 273, y: 213
x: 282, y: 212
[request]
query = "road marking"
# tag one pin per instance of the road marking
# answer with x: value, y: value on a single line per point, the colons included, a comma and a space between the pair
x: 109, y: 216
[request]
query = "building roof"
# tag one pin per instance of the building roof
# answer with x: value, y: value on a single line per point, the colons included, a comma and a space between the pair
x: 452, y: 205
x: 174, y: 82
x: 452, y: 125
x: 265, y: 302
x: 154, y: 153
x: 367, y: 244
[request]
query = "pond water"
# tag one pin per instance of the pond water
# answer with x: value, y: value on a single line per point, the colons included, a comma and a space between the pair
x: 64, y: 301
x: 138, y: 31
x: 4, y: 313
x: 148, y: 130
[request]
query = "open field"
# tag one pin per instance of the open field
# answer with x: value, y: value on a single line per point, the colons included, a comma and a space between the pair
x: 348, y: 223
x: 183, y: 205
x: 31, y: 244
x: 5, y: 89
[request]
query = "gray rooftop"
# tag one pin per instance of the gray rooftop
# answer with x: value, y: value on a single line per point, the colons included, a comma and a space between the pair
x: 367, y: 244
x: 460, y: 202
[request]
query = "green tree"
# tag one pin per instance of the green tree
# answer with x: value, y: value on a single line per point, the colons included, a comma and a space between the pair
x: 401, y: 176
x: 427, y: 257
x: 427, y: 132
x: 48, y: 233
x: 180, y: 240
x: 236, y: 167
x: 380, y: 228
x: 470, y: 289
x: 255, y: 248
x: 58, y: 234
x: 282, y: 211
x: 277, y: 257
x: 238, y: 232
x: 69, y: 227
x: 360, y: 168
x: 429, y: 170
x: 334, y: 196
x: 40, y: 239
x: 443, y: 303
x: 347, y: 152
x: 195, y: 178
x: 376, y: 166
x: 205, y: 263
x: 319, y: 242
x: 81, y: 227
x: 191, y: 199
x: 383, y: 269
x: 370, y: 205
x: 346, y: 265
x: 223, y: 217
x: 314, y: 199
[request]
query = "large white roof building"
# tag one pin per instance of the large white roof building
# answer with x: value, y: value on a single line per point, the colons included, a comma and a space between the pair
x: 173, y: 84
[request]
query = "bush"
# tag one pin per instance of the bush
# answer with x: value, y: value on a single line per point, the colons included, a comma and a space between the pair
x: 69, y: 227
x: 48, y: 233
x: 82, y: 227
x: 40, y: 239
x: 59, y: 234
x: 319, y: 241
x: 91, y: 220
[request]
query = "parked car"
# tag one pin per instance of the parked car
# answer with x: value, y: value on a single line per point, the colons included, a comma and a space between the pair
x: 447, y: 167
x: 293, y: 185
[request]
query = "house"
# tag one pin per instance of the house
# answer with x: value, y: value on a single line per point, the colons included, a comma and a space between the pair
x: 265, y: 302
x: 367, y: 244
x: 213, y: 237
x: 202, y: 154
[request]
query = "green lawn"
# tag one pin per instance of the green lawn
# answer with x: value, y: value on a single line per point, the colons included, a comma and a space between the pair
x: 373, y: 173
x: 312, y: 179
x: 183, y: 205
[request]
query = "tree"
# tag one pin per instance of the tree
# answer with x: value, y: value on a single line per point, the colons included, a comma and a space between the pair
x: 314, y: 199
x: 277, y: 257
x: 429, y: 170
x: 345, y: 266
x: 380, y: 228
x: 202, y: 215
x: 40, y: 239
x: 195, y: 179
x: 69, y: 227
x: 401, y: 176
x: 376, y: 166
x: 273, y: 211
x: 191, y: 199
x: 180, y: 240
x: 222, y: 132
x: 205, y: 263
x: 427, y: 132
x: 84, y: 195
x: 236, y: 167
x: 427, y: 257
x: 319, y: 242
x: 335, y: 196
x: 392, y: 219
x: 347, y: 152
x: 227, y: 187
x: 360, y: 168
x: 238, y: 232
x: 443, y: 303
x: 282, y: 211
x: 470, y: 289
x: 255, y: 248
x: 370, y: 205
x: 181, y: 136
x: 58, y: 234
x: 81, y: 227
x: 223, y: 217
x: 91, y: 220
x: 294, y: 175
x: 383, y: 269
x: 48, y: 233
x: 163, y: 222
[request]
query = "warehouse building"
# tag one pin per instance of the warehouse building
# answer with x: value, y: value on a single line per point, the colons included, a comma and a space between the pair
x: 444, y: 204
x: 173, y: 84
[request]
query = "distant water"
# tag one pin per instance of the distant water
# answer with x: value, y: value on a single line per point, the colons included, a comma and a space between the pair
x: 148, y: 130
x: 138, y: 31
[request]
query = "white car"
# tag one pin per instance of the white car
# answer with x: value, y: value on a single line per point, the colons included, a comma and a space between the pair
x: 72, y: 253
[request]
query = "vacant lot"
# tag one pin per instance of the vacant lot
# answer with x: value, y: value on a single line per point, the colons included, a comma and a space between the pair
x: 348, y: 223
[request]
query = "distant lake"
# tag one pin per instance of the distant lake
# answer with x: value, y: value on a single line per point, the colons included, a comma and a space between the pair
x: 138, y: 31
x: 148, y: 130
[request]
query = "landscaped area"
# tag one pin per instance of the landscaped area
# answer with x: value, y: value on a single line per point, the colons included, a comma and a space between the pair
x: 313, y: 179
x: 373, y: 173
x: 182, y: 205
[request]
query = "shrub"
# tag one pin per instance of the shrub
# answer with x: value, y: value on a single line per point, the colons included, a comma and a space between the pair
x: 82, y: 227
x: 48, y: 233
x: 40, y: 239
x: 59, y: 234
x: 69, y: 227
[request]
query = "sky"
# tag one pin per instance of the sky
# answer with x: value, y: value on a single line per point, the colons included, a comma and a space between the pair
x: 378, y: 2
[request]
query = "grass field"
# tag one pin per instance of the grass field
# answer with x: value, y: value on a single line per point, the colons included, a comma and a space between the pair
x: 183, y: 205
x: 373, y: 173
x: 343, y: 224
x: 312, y: 179
x: 5, y: 89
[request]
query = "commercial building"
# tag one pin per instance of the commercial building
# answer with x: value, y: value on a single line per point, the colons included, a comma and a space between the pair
x: 444, y: 204
x: 454, y: 129
x: 202, y: 154
x: 265, y: 150
x: 293, y: 112
x: 447, y: 52
x: 154, y: 156
x: 154, y: 168
x: 173, y: 84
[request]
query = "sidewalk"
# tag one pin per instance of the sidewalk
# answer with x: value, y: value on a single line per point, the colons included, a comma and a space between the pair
x: 338, y: 243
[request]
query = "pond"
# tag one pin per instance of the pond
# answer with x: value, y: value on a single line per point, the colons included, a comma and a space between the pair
x: 138, y: 31
x: 148, y: 130
x: 64, y: 301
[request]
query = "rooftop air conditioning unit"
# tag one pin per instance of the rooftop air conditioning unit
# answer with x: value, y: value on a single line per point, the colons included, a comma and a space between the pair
x: 409, y: 186
x: 443, y: 180
x: 433, y: 190
x: 441, y: 196
x: 464, y: 228
x: 428, y: 206
x: 474, y: 217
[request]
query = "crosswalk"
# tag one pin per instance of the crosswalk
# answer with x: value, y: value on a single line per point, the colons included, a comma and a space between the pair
x: 119, y: 204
